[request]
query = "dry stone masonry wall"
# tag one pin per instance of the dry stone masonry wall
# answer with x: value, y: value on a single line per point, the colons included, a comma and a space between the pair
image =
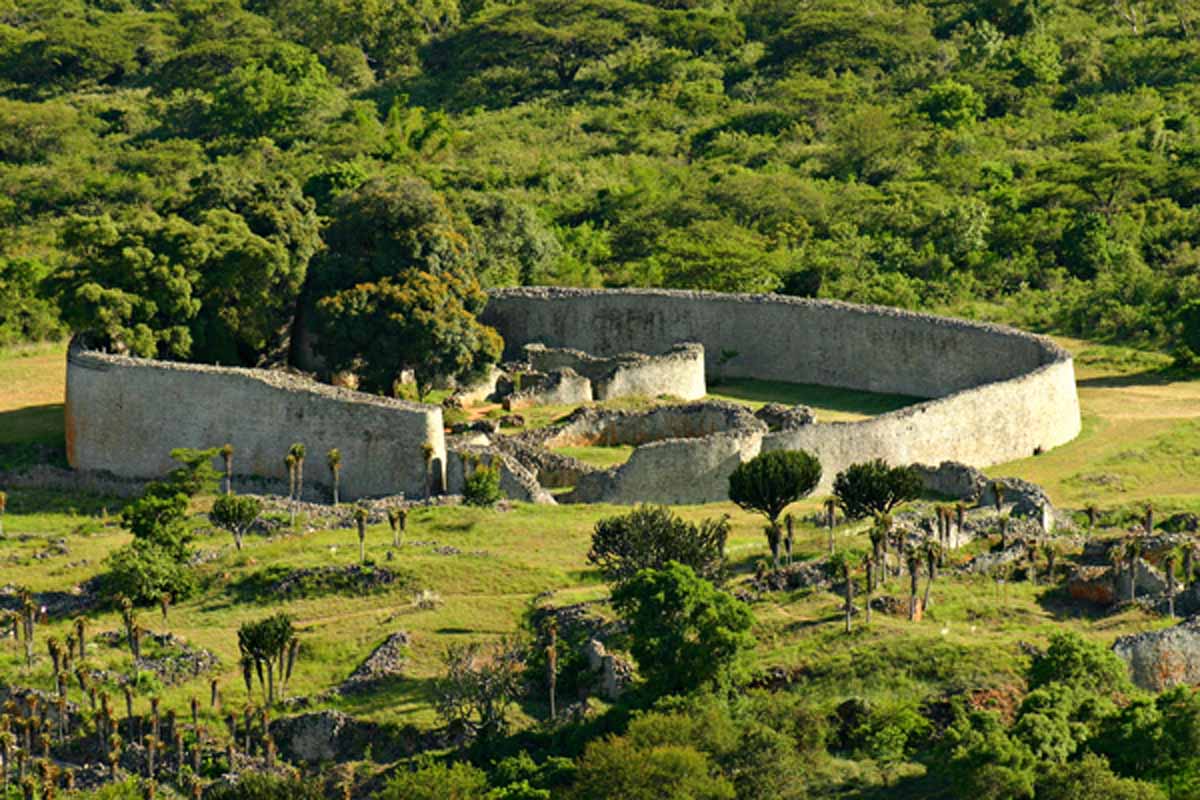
x: 997, y: 394
x: 125, y: 415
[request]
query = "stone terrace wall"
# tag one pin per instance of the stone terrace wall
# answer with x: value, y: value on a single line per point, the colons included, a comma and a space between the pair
x: 1001, y: 394
x: 679, y: 371
x: 609, y: 428
x: 124, y: 415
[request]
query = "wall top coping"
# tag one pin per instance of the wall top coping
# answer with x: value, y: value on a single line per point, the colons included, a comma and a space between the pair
x: 1051, y: 351
x: 278, y: 379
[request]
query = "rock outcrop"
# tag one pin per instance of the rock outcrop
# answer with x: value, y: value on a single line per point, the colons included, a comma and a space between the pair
x: 1159, y: 660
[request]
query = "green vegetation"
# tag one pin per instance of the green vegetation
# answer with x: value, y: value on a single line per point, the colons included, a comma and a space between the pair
x: 650, y: 537
x: 874, y: 488
x: 1028, y: 162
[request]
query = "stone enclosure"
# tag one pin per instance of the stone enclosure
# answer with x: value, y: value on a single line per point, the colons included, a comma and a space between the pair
x: 995, y: 394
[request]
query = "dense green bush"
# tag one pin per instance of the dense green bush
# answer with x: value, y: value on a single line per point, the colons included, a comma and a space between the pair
x: 482, y: 486
x: 873, y: 487
x: 651, y: 536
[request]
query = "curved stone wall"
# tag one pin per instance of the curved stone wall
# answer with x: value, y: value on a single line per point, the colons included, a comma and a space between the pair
x: 125, y: 415
x: 997, y: 394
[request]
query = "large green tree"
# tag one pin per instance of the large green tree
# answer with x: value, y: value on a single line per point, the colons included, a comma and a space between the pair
x: 684, y: 632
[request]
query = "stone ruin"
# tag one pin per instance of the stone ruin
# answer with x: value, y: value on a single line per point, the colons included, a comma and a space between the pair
x: 565, y: 376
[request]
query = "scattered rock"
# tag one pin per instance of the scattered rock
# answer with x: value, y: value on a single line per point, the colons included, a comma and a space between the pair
x: 512, y: 421
x: 953, y: 479
x: 168, y: 656
x: 615, y: 673
x: 1159, y: 660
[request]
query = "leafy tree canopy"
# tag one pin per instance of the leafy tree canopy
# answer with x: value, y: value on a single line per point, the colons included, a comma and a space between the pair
x: 873, y: 487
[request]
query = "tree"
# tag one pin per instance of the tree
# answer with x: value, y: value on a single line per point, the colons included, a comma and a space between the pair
x: 1072, y: 660
x: 157, y: 560
x: 334, y: 459
x: 770, y: 482
x: 418, y: 322
x: 952, y: 104
x: 270, y: 646
x: 360, y: 521
x: 616, y: 767
x: 873, y: 487
x: 227, y: 458
x: 474, y: 697
x: 235, y: 514
x: 843, y: 569
x: 3, y: 508
x: 296, y: 451
x: 434, y: 780
x: 685, y: 633
x: 649, y: 537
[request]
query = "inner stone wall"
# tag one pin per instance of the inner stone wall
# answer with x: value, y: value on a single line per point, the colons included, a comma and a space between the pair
x: 1000, y: 394
x: 775, y: 337
x: 678, y: 371
x: 124, y: 415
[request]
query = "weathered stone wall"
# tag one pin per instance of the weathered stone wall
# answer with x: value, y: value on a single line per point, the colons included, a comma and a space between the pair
x: 1000, y: 394
x: 679, y: 371
x: 124, y: 415
x: 610, y: 428
x: 672, y: 471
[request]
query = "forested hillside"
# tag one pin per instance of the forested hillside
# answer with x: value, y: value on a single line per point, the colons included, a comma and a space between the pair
x: 185, y: 174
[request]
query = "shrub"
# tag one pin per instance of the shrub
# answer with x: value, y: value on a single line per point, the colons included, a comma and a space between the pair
x: 873, y: 487
x: 685, y: 633
x: 434, y: 780
x: 616, y: 767
x: 482, y: 487
x: 651, y: 536
x: 143, y: 571
x: 1073, y: 660
x: 235, y: 514
x: 252, y: 785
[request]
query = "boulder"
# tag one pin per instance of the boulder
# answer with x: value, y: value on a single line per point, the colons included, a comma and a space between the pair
x: 1161, y: 659
x: 953, y: 479
x: 614, y: 673
x: 780, y: 417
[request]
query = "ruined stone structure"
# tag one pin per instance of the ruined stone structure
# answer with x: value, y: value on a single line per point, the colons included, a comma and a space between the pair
x: 996, y: 394
x: 125, y: 415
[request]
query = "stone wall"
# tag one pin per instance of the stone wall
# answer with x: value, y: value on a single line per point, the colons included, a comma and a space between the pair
x: 124, y: 415
x: 679, y: 371
x: 1000, y: 394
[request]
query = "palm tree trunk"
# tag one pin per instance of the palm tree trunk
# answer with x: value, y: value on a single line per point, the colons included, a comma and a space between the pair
x: 849, y: 600
x: 337, y: 479
x: 870, y: 586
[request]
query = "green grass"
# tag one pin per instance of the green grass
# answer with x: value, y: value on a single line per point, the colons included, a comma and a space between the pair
x: 830, y: 403
x: 32, y: 387
x: 603, y: 457
x: 1141, y: 426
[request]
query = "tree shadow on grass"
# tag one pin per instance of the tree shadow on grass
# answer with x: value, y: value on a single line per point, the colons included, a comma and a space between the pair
x: 32, y: 425
x: 1151, y: 377
x: 1059, y: 603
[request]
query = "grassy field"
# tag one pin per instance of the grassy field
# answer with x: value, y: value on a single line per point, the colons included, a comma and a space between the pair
x: 1141, y: 441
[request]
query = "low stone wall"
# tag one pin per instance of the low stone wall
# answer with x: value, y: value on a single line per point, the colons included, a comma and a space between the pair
x: 125, y: 415
x: 678, y: 372
x: 673, y: 471
x: 609, y: 428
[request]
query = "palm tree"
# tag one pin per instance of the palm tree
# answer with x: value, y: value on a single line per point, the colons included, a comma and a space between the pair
x: 1149, y: 522
x: 227, y: 454
x: 360, y: 518
x: 933, y: 552
x: 3, y: 506
x: 1169, y: 565
x: 914, y: 574
x: 1133, y: 551
x: 297, y: 450
x: 869, y: 563
x: 1092, y: 513
x: 774, y: 537
x: 961, y: 512
x: 879, y: 534
x: 1189, y: 564
x: 843, y: 569
x: 1051, y: 554
x: 290, y: 461
x: 334, y: 457
x: 830, y: 519
x: 998, y: 491
x: 552, y: 662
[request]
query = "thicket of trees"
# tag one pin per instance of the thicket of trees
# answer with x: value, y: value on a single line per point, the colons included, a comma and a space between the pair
x: 185, y: 177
